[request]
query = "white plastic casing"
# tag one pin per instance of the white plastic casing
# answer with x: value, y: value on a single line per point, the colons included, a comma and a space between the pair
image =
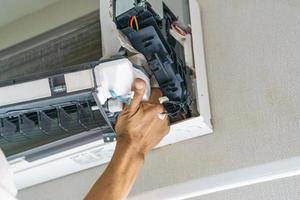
x: 118, y: 75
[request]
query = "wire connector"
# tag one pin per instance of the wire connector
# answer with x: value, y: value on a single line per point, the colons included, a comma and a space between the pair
x: 163, y: 99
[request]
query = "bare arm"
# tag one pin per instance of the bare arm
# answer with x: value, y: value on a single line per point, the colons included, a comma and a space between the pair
x: 138, y: 129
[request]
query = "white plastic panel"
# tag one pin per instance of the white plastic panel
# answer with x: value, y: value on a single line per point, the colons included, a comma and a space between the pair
x: 24, y: 92
x: 93, y: 154
x: 109, y: 35
x: 199, y: 60
x: 81, y: 80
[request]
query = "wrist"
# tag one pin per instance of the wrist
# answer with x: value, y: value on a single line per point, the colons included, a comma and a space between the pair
x: 130, y: 148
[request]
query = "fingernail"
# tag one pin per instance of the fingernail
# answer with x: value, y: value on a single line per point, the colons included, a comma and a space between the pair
x: 139, y: 84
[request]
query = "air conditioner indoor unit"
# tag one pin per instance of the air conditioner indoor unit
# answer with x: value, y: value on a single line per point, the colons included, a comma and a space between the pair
x: 59, y: 121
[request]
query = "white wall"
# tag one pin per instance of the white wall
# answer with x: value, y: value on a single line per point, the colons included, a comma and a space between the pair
x: 284, y: 189
x: 252, y: 51
x: 45, y: 19
x: 11, y: 10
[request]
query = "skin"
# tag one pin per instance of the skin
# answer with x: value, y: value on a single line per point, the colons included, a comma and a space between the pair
x: 139, y: 129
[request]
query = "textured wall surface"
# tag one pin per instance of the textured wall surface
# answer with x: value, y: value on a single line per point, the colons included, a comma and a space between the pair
x: 252, y: 51
x: 284, y: 189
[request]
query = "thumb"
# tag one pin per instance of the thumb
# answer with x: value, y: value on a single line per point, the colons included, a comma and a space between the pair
x: 139, y: 91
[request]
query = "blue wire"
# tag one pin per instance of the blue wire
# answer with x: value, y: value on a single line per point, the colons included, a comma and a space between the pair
x: 120, y: 98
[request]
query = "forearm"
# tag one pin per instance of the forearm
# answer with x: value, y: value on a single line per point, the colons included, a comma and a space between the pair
x: 119, y: 176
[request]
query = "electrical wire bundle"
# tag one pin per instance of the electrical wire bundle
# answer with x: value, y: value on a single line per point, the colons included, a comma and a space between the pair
x: 134, y: 22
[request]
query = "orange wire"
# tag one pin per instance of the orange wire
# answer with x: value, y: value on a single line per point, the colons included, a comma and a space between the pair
x: 131, y: 22
x: 133, y: 18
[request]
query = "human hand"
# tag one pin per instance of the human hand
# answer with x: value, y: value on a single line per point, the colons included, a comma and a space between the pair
x: 139, y: 129
x: 138, y: 125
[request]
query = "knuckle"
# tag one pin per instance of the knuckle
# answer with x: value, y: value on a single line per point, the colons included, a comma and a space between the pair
x: 160, y: 108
